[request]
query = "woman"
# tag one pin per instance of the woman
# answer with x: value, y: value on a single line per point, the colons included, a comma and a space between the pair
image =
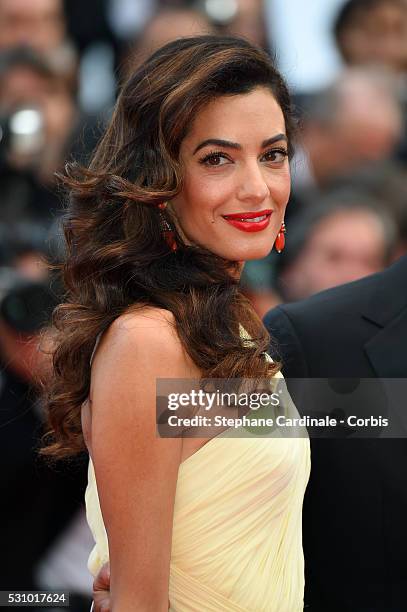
x: 190, y: 180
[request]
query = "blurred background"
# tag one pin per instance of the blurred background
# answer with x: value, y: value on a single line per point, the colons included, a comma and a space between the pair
x: 60, y: 66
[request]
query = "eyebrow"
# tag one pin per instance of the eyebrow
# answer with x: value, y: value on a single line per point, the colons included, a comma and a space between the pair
x: 235, y: 145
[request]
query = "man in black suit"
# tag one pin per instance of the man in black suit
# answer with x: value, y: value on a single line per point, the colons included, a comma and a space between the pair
x: 355, y: 507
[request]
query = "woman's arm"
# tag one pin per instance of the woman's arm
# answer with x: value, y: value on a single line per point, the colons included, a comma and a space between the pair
x: 136, y: 471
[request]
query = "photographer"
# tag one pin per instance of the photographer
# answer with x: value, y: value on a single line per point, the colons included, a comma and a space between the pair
x: 40, y: 126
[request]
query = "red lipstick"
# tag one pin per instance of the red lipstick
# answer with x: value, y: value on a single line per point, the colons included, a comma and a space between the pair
x: 249, y: 221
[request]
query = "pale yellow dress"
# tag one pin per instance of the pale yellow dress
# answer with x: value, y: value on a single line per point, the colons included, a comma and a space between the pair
x: 237, y: 538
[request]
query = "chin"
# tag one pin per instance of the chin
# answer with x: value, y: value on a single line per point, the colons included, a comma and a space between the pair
x: 247, y: 254
x: 259, y: 254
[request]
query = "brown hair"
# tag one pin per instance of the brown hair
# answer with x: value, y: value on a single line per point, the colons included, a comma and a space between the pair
x: 116, y: 257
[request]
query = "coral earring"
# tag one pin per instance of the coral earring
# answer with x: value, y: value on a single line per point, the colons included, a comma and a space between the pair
x: 280, y: 240
x: 169, y: 237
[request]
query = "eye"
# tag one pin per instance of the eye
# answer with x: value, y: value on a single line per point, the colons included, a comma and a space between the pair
x: 276, y: 156
x: 214, y: 159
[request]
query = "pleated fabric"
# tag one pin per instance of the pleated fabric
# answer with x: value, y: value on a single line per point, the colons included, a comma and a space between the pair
x: 237, y: 527
x: 237, y: 537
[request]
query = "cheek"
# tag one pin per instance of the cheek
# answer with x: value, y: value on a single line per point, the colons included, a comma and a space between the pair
x: 280, y: 188
x: 202, y: 197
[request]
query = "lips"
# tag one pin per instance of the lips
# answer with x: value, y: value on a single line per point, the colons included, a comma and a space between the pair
x: 249, y: 221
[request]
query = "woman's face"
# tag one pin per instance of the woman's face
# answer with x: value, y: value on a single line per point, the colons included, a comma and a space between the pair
x: 236, y: 176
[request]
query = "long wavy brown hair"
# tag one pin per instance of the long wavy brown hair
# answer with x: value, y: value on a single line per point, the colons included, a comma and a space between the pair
x: 115, y: 256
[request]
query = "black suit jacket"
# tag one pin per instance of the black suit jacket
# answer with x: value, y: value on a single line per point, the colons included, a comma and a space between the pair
x: 355, y: 507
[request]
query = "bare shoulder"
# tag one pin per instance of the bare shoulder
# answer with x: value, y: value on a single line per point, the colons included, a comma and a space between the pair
x: 137, y: 349
x: 147, y: 323
x: 145, y: 316
x: 143, y: 340
x: 148, y: 334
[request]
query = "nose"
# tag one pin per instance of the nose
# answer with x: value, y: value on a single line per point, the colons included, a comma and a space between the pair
x: 252, y: 185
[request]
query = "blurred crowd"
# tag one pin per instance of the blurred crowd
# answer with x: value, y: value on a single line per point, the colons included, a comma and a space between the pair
x: 60, y: 66
x: 347, y: 215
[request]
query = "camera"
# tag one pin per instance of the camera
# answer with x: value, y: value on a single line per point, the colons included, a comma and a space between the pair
x: 25, y: 305
x: 22, y: 135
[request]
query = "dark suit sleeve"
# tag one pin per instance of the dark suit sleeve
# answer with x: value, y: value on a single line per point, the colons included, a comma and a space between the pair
x: 285, y: 345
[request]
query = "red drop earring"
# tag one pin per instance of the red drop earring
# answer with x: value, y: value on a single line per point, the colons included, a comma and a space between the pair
x: 167, y: 229
x: 280, y: 240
